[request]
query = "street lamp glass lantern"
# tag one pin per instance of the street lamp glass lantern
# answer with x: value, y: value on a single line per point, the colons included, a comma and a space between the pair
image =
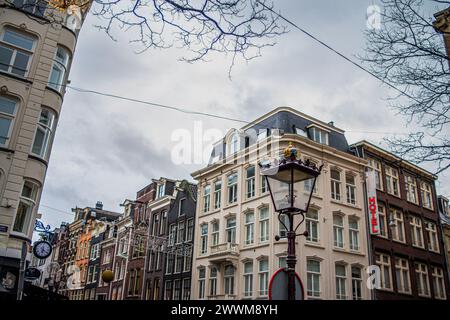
x: 286, y: 179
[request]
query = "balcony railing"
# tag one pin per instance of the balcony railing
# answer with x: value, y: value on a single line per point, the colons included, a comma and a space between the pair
x: 224, y: 252
x: 225, y: 248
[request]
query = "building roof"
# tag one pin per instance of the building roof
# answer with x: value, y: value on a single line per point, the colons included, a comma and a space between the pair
x: 287, y: 120
x: 390, y: 156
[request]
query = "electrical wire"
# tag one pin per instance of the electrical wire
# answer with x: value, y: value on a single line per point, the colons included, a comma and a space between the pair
x: 338, y: 53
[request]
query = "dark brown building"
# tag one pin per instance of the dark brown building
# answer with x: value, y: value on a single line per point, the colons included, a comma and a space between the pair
x: 157, y: 212
x: 409, y: 249
x: 178, y: 264
x: 136, y: 260
x: 107, y: 252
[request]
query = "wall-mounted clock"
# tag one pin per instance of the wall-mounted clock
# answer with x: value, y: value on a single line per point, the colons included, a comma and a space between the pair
x: 42, y: 249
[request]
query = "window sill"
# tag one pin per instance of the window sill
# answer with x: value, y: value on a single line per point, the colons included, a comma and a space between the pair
x: 15, y: 77
x: 315, y: 245
x: 231, y: 205
x: 342, y: 203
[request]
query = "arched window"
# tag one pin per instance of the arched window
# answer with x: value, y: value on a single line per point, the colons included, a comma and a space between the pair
x: 8, y: 111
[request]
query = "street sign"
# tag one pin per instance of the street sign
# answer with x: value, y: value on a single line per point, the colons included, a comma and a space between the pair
x: 32, y: 274
x: 278, y: 286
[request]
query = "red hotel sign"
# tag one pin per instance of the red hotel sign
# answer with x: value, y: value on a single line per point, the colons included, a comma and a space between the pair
x: 372, y: 204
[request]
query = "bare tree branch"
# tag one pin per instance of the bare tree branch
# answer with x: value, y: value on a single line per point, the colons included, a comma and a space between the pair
x: 241, y: 28
x: 408, y: 53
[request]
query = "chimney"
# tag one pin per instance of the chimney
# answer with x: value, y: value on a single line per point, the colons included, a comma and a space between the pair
x: 99, y: 205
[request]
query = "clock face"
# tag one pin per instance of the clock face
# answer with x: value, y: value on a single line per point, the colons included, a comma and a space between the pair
x: 42, y: 249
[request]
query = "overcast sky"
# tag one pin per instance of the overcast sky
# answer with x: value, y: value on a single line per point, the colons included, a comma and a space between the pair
x: 106, y: 149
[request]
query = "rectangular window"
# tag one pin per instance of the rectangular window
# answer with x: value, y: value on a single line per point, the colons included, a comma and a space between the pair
x: 27, y: 201
x: 163, y: 224
x: 398, y: 228
x: 249, y: 228
x: 178, y: 263
x: 438, y: 283
x: 264, y: 187
x: 206, y: 198
x: 229, y: 280
x: 392, y: 185
x: 231, y: 230
x: 411, y: 189
x: 172, y: 234
x: 59, y: 69
x: 250, y: 182
x: 312, y: 225
x: 204, y: 238
x: 356, y: 283
x: 215, y: 233
x: 375, y: 165
x: 353, y: 229
x: 283, y: 225
x: 248, y: 279
x: 341, y: 279
x: 263, y: 276
x: 177, y: 289
x: 433, y: 244
x: 155, y: 224
x: 264, y: 224
x: 313, y: 278
x: 416, y: 232
x: 383, y: 221
x: 338, y: 231
x: 384, y: 262
x: 213, y: 282
x: 170, y: 259
x: 168, y: 290
x: 186, y: 289
x: 423, y: 285
x: 318, y: 135
x: 7, y: 114
x: 182, y: 209
x: 181, y: 234
x: 201, y: 283
x: 232, y: 188
x: 350, y: 186
x: 36, y: 7
x: 161, y: 190
x: 16, y: 50
x: 190, y: 229
x: 308, y: 185
x: 217, y: 194
x: 282, y: 262
x: 187, y: 260
x: 426, y: 194
x: 402, y: 275
x: 335, y: 184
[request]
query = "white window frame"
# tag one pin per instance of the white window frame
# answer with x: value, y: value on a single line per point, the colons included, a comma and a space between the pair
x: 10, y: 117
x: 313, y: 276
x: 336, y: 185
x: 411, y: 189
x: 350, y: 188
x: 263, y: 277
x: 392, y: 181
x: 438, y: 283
x: 249, y: 226
x: 16, y: 49
x: 338, y: 232
x: 402, y: 275
x: 341, y: 281
x: 30, y: 203
x: 397, y: 216
x: 311, y: 223
x: 264, y: 224
x: 250, y: 183
x: 427, y: 195
x: 354, y: 241
x: 384, y: 263
x: 433, y: 240
x: 422, y: 281
x: 62, y: 66
x: 248, y: 279
x: 48, y: 133
x: 416, y: 232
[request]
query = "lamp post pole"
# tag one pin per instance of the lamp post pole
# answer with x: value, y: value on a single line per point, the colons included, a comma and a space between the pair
x: 291, y: 259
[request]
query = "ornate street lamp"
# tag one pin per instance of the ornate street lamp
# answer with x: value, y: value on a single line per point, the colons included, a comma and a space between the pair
x: 284, y: 178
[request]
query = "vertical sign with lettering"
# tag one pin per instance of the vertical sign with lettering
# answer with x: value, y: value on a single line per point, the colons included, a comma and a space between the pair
x: 372, y: 204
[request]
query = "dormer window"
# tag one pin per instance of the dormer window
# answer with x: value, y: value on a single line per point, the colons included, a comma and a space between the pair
x: 161, y: 190
x: 234, y: 144
x: 262, y: 134
x: 318, y: 135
